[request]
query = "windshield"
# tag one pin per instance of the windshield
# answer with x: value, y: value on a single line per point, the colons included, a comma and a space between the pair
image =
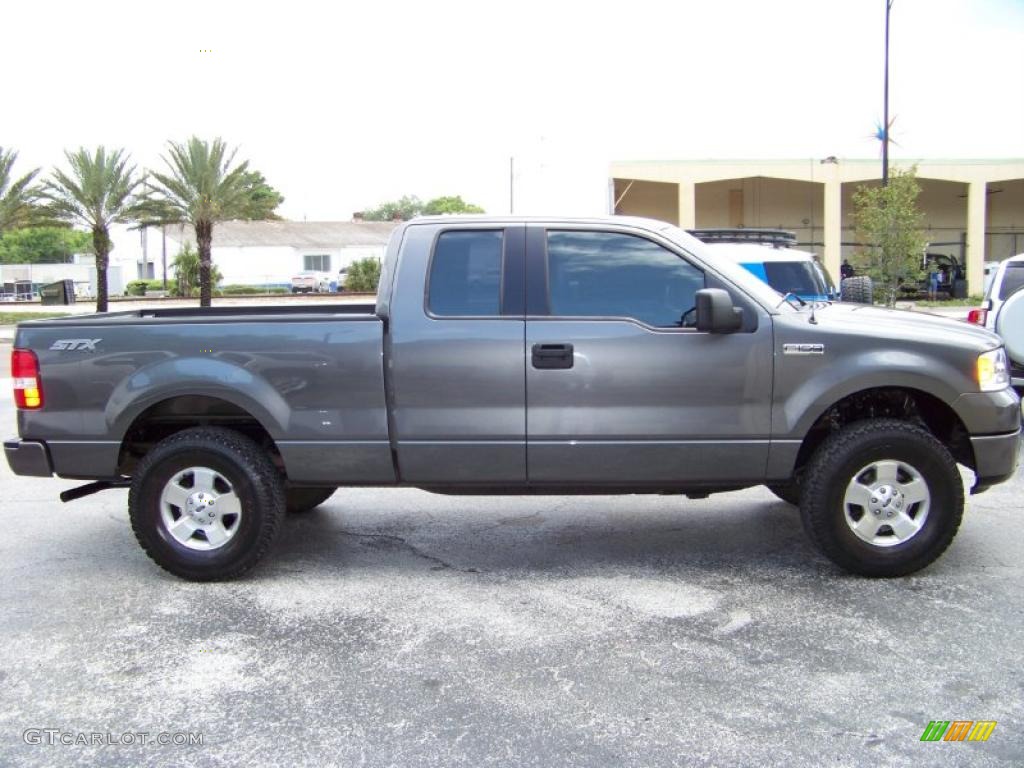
x: 1013, y: 280
x: 799, y: 277
x: 732, y: 272
x: 830, y: 284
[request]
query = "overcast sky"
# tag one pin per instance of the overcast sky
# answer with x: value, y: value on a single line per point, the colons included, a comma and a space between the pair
x: 343, y: 105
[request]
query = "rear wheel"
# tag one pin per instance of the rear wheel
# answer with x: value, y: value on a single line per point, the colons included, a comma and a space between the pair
x: 299, y: 500
x: 882, y: 497
x: 206, y: 504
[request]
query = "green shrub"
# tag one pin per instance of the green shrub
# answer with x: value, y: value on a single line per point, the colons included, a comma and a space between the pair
x: 239, y: 290
x: 142, y: 287
x: 363, y: 276
x: 186, y: 270
x: 243, y: 290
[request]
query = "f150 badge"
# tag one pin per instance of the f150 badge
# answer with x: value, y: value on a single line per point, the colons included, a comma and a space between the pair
x: 803, y: 349
x: 73, y: 345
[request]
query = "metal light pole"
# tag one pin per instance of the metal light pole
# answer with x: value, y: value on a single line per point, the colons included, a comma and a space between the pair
x: 885, y: 107
x: 163, y: 240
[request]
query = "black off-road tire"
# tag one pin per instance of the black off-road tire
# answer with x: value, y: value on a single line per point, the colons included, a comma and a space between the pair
x: 254, y: 480
x: 838, y: 460
x: 859, y: 289
x: 299, y: 500
x: 788, y: 492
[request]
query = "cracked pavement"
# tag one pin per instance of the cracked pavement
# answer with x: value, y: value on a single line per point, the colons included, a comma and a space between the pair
x: 400, y: 628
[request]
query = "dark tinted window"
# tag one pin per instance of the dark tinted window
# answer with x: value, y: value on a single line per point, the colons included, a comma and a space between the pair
x: 465, y: 275
x: 799, y: 277
x: 605, y: 274
x: 1013, y: 280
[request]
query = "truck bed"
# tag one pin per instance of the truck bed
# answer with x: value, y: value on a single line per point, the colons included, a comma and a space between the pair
x: 308, y: 378
x: 303, y: 312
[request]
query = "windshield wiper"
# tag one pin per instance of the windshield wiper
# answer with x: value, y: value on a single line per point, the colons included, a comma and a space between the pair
x: 787, y: 296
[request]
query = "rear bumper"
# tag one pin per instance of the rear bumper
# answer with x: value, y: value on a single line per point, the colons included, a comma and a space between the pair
x: 28, y: 457
x: 995, y: 458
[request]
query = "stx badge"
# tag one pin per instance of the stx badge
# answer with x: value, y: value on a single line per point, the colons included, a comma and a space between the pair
x: 71, y: 345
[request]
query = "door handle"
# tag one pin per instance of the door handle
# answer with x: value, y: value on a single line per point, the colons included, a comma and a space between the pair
x: 552, y: 356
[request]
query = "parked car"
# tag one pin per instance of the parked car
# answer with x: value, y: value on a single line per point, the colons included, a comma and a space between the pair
x: 525, y: 356
x: 989, y: 270
x: 311, y: 282
x: 1006, y: 283
x: 768, y: 254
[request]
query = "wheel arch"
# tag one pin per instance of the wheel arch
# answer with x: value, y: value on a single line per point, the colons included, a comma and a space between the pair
x: 195, y: 377
x: 176, y: 413
x: 897, y: 402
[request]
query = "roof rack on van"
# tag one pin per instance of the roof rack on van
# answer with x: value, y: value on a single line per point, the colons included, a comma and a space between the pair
x: 779, y: 238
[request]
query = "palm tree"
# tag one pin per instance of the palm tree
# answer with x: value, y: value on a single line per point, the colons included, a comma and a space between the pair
x: 205, y: 186
x: 99, y: 191
x: 16, y: 196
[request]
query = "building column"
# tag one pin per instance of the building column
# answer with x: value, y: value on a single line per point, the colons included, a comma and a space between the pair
x: 976, y: 236
x: 687, y: 205
x: 833, y: 226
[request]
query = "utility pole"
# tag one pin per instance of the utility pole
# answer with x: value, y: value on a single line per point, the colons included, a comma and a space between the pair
x: 885, y: 107
x: 512, y: 185
x: 163, y: 240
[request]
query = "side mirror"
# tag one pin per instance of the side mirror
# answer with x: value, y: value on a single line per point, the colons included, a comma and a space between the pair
x: 715, y: 312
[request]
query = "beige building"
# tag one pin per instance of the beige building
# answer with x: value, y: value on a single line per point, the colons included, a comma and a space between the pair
x: 973, y: 209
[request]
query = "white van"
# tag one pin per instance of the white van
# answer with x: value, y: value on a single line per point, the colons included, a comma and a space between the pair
x: 769, y: 255
x: 995, y: 314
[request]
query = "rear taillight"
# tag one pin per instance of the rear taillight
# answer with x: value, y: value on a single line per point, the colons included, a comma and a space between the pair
x: 977, y: 316
x: 28, y: 388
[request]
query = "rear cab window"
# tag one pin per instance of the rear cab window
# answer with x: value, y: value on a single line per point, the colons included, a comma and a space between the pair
x: 465, y: 274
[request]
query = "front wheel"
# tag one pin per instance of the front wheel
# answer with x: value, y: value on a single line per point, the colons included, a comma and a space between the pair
x: 206, y: 504
x: 882, y: 497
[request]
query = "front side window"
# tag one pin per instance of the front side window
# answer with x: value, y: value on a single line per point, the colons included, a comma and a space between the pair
x: 465, y: 274
x: 317, y: 262
x: 607, y: 274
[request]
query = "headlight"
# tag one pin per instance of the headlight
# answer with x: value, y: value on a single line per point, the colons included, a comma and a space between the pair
x: 993, y: 372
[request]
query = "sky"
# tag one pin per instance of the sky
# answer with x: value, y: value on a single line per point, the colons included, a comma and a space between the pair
x: 343, y: 105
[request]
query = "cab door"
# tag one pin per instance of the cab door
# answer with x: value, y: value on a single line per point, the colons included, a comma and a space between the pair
x: 622, y: 390
x: 456, y: 369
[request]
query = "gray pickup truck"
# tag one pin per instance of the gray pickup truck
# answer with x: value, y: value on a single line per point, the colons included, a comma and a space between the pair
x: 522, y: 356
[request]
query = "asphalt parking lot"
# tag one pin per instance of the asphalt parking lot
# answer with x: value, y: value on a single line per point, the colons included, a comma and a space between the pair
x: 399, y: 628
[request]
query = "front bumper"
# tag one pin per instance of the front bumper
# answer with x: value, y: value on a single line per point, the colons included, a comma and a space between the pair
x: 28, y: 457
x: 995, y: 459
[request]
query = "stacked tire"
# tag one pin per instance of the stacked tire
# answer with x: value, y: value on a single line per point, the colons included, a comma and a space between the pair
x: 859, y: 290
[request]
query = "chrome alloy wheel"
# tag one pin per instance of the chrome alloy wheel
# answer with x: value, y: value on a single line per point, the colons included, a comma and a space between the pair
x: 199, y: 509
x: 886, y: 503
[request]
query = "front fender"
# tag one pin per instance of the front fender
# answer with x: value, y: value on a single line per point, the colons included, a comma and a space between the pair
x: 806, y: 387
